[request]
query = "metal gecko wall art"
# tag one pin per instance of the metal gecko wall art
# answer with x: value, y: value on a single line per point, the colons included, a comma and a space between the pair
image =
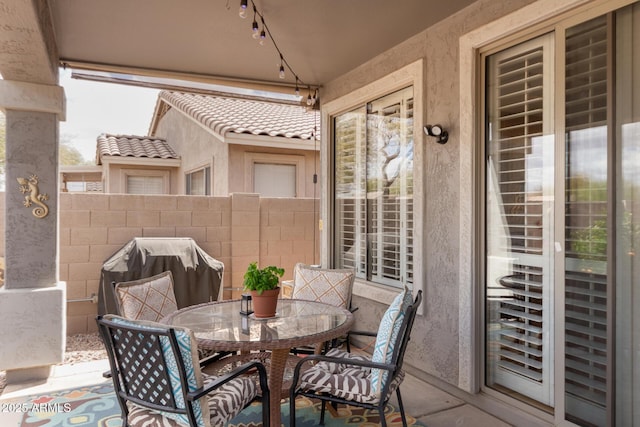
x: 29, y: 187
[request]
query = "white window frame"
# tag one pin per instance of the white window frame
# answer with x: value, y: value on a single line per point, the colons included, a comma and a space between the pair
x: 409, y: 75
x: 164, y: 174
x: 251, y: 158
x: 524, y: 24
x: 209, y: 184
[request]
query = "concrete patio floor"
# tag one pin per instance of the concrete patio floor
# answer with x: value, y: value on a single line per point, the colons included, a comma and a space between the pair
x: 437, y: 408
x: 428, y: 404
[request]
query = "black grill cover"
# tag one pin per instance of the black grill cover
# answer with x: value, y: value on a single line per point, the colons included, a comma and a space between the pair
x: 197, y: 277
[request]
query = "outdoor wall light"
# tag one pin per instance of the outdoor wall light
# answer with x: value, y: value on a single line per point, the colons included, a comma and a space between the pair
x: 441, y: 135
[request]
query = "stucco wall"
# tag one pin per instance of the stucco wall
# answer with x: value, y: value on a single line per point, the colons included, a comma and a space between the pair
x: 199, y: 147
x: 435, y: 339
x: 116, y: 177
x: 238, y: 173
x: 236, y: 230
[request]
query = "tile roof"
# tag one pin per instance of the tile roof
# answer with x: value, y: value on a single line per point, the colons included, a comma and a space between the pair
x: 134, y: 146
x: 223, y: 115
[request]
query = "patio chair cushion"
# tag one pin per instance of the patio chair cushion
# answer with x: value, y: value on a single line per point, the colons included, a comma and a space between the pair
x: 189, y: 356
x: 150, y: 298
x: 331, y: 286
x: 224, y: 404
x: 343, y: 380
x: 387, y: 337
x: 229, y: 400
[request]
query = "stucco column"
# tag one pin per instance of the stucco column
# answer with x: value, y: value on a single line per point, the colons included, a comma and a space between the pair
x: 33, y: 301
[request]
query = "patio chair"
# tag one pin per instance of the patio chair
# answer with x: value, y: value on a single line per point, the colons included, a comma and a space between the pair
x: 340, y: 377
x: 330, y: 286
x: 157, y: 378
x: 152, y: 298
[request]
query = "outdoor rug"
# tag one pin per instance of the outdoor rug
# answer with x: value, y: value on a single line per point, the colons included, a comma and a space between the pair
x: 97, y: 406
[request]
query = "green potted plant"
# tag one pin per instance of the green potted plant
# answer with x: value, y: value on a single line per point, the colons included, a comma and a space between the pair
x: 263, y: 284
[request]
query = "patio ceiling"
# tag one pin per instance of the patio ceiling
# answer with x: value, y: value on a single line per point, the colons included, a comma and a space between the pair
x: 203, y: 39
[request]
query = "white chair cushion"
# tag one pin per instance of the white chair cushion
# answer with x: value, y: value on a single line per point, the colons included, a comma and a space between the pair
x: 331, y: 286
x: 151, y: 298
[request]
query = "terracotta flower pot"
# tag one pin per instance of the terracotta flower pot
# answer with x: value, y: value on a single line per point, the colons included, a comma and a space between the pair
x: 265, y: 304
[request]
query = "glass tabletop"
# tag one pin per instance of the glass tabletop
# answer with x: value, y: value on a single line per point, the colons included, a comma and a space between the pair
x: 221, y: 322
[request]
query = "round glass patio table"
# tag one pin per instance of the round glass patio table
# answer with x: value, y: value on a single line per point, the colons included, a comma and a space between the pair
x: 219, y: 326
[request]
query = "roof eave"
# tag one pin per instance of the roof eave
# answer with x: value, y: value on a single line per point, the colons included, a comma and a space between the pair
x: 140, y: 161
x: 271, y: 141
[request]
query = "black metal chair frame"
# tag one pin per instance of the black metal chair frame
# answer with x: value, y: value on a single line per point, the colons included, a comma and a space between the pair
x: 393, y: 368
x: 208, y: 357
x: 157, y: 394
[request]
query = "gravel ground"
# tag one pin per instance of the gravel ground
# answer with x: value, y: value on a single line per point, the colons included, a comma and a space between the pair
x: 80, y: 348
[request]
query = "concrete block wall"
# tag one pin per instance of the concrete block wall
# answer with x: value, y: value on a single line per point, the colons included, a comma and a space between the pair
x: 236, y: 230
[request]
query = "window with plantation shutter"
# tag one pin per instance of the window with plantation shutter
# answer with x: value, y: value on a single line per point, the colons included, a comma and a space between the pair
x: 586, y: 77
x: 350, y: 191
x: 562, y: 144
x: 560, y: 230
x: 374, y: 189
x: 519, y: 159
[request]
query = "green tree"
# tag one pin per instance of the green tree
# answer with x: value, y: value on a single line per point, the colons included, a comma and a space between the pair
x: 70, y: 155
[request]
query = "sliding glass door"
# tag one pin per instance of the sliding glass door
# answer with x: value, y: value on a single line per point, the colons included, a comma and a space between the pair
x: 562, y: 220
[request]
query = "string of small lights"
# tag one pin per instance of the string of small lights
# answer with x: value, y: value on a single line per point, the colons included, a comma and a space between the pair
x: 261, y: 35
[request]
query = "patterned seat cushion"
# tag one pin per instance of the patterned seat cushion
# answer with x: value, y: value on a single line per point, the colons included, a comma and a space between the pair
x: 224, y: 404
x: 387, y: 337
x: 331, y: 286
x: 228, y: 400
x: 151, y: 298
x: 343, y: 380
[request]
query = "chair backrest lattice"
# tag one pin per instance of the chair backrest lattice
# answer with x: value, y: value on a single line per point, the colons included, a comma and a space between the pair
x: 157, y: 378
x: 142, y: 366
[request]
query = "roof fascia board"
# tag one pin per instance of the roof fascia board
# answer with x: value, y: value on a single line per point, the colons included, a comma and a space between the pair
x: 140, y: 161
x: 155, y: 118
x: 80, y: 169
x: 271, y: 141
